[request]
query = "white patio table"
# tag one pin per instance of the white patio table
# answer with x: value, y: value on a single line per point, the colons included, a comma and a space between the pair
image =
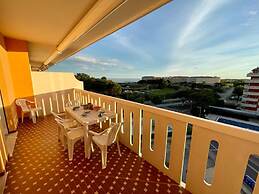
x: 87, y: 118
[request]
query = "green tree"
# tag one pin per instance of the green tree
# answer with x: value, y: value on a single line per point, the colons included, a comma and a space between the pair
x: 156, y: 99
x: 201, y: 100
x: 238, y: 83
x: 102, y: 85
x: 116, y: 89
x: 184, y: 94
x: 82, y: 76
x: 238, y: 91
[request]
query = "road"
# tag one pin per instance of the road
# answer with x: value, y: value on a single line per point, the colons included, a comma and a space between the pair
x: 253, y: 167
x: 226, y: 94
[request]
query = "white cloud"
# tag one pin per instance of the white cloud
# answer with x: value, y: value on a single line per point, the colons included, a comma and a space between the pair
x: 246, y: 24
x: 95, y: 61
x: 84, y: 67
x: 197, y: 17
x: 130, y: 45
x: 253, y: 12
x: 101, y: 65
x: 207, y: 47
x: 228, y: 60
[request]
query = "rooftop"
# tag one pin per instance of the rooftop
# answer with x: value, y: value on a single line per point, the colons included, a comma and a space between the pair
x: 256, y: 70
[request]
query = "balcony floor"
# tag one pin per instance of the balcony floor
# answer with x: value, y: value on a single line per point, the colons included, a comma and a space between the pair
x: 39, y: 165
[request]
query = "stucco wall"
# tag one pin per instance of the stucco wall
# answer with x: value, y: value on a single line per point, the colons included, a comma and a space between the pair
x: 44, y: 82
x: 15, y: 76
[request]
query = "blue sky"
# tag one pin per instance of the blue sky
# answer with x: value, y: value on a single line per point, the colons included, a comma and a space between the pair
x: 184, y: 37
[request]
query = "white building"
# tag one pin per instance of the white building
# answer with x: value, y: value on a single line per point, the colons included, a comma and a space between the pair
x: 195, y: 79
x: 177, y: 79
x: 147, y: 78
x: 205, y: 79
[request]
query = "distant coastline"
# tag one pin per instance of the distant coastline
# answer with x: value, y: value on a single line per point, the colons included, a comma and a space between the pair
x: 124, y: 80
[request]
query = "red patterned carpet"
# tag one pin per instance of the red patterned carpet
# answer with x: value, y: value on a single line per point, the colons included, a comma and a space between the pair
x: 39, y: 165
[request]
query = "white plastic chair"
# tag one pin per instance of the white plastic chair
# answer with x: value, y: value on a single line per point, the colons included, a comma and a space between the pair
x: 68, y: 122
x: 72, y: 135
x: 62, y: 115
x: 73, y: 103
x: 107, y: 138
x: 27, y: 108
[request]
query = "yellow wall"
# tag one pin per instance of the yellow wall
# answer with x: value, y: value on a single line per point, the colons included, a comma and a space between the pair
x: 45, y: 82
x: 21, y: 74
x: 5, y: 74
x: 15, y: 76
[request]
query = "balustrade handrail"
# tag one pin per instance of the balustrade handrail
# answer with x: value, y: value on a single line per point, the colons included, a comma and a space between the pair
x: 224, y: 128
x: 235, y: 144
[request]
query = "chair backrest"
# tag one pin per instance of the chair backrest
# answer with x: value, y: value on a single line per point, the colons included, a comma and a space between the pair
x: 73, y: 103
x: 65, y: 123
x: 113, y: 132
x: 61, y: 124
x: 22, y: 103
x: 56, y: 115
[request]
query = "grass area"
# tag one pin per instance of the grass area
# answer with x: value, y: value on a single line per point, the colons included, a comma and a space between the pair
x: 162, y: 92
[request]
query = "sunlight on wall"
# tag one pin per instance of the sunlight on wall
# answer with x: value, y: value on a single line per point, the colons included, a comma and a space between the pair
x: 45, y: 82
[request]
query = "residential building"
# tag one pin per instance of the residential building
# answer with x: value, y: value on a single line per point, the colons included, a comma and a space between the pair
x: 250, y: 98
x: 204, y: 79
x: 195, y: 79
x: 233, y: 80
x: 177, y: 79
x: 38, y: 34
x: 149, y: 78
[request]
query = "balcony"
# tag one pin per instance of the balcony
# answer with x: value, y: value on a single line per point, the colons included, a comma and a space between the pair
x: 252, y: 81
x: 158, y: 165
x: 40, y: 165
x: 253, y: 74
x: 248, y: 105
x: 163, y: 151
x: 244, y: 99
x: 251, y: 93
x: 251, y: 87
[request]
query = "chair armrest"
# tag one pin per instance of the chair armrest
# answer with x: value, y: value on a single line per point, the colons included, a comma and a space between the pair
x: 68, y: 120
x: 31, y: 102
x: 70, y: 123
x: 98, y: 134
x: 61, y: 114
x: 74, y: 128
x: 104, y: 131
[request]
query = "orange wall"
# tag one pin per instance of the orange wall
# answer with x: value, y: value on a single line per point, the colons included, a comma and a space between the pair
x: 6, y: 82
x: 15, y: 76
x: 6, y: 87
x: 20, y: 67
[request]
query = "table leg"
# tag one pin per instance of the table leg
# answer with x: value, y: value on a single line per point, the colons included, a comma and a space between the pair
x: 33, y: 116
x: 87, y: 143
x: 92, y: 145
